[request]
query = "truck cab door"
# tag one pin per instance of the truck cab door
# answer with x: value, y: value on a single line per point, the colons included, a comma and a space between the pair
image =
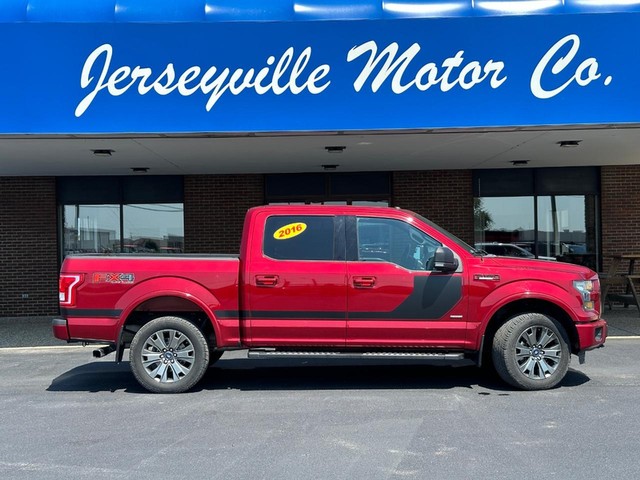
x: 295, y: 289
x: 396, y: 297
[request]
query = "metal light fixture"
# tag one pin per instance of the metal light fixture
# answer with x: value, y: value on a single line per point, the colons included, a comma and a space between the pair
x: 103, y: 152
x: 335, y: 148
x: 569, y: 143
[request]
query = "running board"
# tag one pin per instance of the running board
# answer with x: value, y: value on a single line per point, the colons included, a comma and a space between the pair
x: 272, y: 353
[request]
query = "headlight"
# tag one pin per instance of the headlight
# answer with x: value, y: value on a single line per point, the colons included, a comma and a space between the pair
x: 585, y: 288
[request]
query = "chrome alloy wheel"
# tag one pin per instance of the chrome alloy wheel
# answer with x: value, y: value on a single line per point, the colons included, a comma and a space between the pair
x: 167, y: 356
x: 538, y: 352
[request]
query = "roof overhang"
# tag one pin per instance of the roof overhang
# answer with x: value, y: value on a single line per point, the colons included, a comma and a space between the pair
x: 468, y: 84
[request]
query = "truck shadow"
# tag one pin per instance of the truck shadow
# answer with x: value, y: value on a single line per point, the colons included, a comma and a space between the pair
x: 297, y: 374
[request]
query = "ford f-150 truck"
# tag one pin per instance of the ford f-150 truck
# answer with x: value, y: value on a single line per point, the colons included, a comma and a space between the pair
x: 337, y: 280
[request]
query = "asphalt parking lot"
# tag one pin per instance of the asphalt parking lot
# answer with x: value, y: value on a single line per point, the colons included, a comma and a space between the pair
x: 64, y: 414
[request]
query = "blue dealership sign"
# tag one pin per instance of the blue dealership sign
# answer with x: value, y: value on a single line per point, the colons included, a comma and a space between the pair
x: 432, y: 73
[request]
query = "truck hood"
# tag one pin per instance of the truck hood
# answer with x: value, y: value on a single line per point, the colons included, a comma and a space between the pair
x: 526, y: 264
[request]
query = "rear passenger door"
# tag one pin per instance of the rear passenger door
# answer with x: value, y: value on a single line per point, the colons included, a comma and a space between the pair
x: 395, y: 298
x: 296, y: 290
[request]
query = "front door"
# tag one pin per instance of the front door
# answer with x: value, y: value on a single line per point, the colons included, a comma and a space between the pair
x: 296, y: 290
x: 395, y: 298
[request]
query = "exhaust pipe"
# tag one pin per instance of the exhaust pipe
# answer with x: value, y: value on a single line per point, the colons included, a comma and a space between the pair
x: 103, y: 351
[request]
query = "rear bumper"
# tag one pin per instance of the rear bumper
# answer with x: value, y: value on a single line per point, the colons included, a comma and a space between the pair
x: 60, y: 328
x: 592, y: 334
x: 88, y: 330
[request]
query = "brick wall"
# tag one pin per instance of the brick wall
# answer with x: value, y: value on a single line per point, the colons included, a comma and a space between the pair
x: 28, y: 247
x: 214, y: 209
x: 214, y: 212
x: 620, y: 200
x: 443, y: 196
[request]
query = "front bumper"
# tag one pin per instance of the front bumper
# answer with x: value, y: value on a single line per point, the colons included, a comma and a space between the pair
x: 591, y: 334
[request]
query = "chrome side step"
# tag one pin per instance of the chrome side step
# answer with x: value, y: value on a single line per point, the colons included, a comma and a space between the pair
x: 432, y: 356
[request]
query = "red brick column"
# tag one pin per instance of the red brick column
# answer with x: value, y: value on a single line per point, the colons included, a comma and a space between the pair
x: 443, y: 196
x: 214, y: 210
x: 620, y: 200
x: 28, y: 247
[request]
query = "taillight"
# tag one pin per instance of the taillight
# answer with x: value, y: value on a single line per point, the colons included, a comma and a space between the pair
x: 67, y: 288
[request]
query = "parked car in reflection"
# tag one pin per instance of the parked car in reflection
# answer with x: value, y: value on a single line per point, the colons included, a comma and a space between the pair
x: 508, y: 250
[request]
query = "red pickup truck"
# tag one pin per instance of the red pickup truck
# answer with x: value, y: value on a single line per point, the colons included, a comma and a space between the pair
x: 337, y: 280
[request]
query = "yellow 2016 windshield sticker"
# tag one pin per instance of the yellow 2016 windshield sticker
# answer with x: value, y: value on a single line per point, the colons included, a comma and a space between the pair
x: 290, y: 231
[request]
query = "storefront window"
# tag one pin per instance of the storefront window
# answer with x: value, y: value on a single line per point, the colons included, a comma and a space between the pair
x: 153, y: 228
x: 91, y: 229
x: 567, y: 229
x: 121, y: 215
x: 548, y: 213
x: 503, y: 220
x: 148, y: 228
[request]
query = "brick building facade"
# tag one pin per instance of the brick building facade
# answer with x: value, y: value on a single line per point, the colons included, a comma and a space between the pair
x: 214, y: 210
x: 214, y: 207
x: 620, y: 211
x: 28, y: 246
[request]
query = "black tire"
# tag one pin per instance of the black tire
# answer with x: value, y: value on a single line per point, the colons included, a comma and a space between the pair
x: 531, y: 352
x: 169, y: 355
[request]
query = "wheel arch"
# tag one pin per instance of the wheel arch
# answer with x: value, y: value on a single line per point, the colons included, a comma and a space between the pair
x: 152, y: 299
x: 530, y: 305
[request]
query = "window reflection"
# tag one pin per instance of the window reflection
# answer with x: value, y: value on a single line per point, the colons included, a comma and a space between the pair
x: 153, y: 228
x: 388, y: 240
x: 565, y: 230
x: 148, y: 228
x: 507, y: 220
x: 91, y: 229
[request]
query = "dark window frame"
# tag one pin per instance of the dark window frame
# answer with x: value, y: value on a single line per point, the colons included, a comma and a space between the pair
x: 115, y: 190
x: 327, y: 187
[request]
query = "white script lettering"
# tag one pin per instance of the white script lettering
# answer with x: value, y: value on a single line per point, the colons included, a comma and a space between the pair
x: 214, y: 83
x: 583, y: 75
x: 448, y: 76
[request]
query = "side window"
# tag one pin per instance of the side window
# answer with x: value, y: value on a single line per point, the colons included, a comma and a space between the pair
x: 387, y: 240
x: 299, y: 237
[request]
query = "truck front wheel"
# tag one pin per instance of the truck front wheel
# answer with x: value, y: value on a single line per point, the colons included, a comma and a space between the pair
x: 531, y: 351
x: 169, y: 355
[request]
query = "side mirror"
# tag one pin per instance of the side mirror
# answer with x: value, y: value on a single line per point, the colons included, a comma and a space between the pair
x: 445, y: 261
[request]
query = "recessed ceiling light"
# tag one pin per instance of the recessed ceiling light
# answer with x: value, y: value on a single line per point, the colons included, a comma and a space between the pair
x: 329, y: 166
x: 569, y: 143
x: 335, y: 148
x: 519, y: 163
x: 139, y: 169
x: 103, y: 152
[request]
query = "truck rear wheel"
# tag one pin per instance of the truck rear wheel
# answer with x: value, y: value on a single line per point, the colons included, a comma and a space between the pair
x: 169, y: 355
x: 531, y: 352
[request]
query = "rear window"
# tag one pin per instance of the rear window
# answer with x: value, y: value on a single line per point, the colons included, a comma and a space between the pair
x: 299, y: 237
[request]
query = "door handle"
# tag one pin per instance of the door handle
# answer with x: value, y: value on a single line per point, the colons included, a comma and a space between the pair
x: 266, y: 280
x: 364, y: 282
